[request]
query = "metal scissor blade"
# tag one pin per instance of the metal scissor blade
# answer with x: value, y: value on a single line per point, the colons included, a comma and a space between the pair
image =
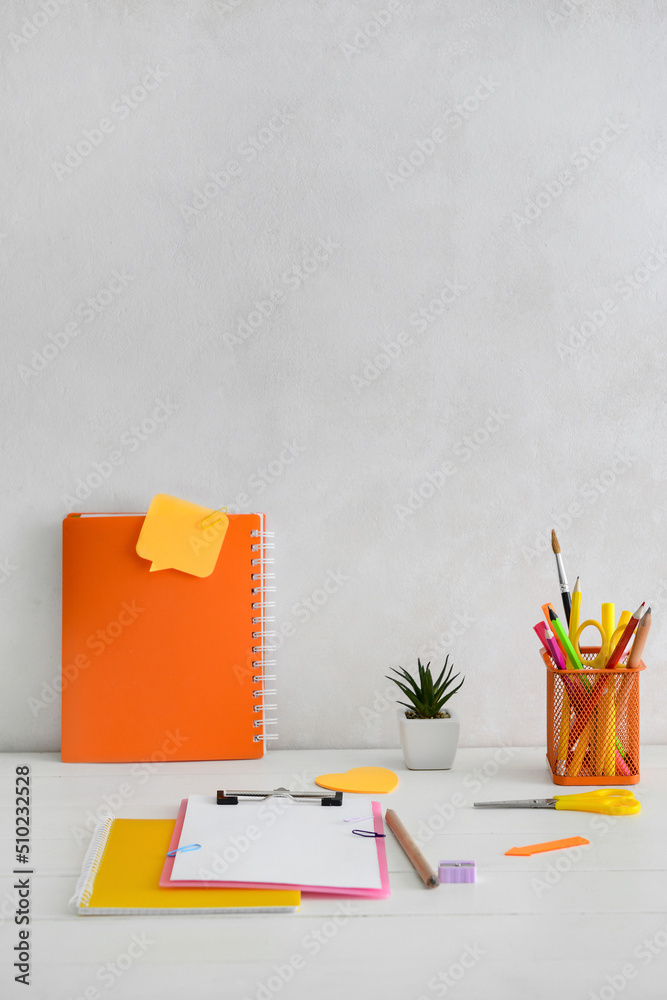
x: 518, y: 804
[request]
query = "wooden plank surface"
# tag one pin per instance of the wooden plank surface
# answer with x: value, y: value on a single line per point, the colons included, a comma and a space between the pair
x: 541, y: 927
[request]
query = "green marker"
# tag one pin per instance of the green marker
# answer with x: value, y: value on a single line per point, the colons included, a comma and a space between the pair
x: 563, y: 637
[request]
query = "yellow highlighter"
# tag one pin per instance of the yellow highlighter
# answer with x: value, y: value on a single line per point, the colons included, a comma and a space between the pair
x: 605, y: 761
x: 609, y: 705
x: 575, y: 611
x: 607, y: 619
x: 603, y: 728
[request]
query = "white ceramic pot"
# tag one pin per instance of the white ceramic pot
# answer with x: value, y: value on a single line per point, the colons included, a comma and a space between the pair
x: 429, y: 744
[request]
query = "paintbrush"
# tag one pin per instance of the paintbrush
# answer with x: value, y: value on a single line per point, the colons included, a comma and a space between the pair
x: 564, y: 589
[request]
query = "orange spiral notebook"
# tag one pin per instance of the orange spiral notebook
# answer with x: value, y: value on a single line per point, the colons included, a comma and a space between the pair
x: 161, y: 665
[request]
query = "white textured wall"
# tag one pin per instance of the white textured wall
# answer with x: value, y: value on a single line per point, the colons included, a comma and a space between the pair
x: 452, y: 217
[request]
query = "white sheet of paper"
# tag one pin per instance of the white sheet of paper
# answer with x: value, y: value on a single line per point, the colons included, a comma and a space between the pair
x: 279, y: 841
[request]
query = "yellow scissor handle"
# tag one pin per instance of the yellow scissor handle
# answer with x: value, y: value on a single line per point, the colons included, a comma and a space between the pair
x: 603, y: 655
x: 606, y: 643
x: 612, y: 801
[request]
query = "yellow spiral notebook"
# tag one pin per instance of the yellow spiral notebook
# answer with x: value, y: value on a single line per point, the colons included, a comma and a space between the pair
x: 122, y: 868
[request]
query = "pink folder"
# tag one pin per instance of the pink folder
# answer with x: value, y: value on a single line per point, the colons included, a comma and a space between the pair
x: 368, y: 892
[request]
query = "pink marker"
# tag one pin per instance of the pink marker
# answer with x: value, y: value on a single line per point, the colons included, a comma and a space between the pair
x: 546, y: 637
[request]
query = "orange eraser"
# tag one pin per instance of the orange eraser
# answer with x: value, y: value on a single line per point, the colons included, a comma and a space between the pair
x: 550, y: 845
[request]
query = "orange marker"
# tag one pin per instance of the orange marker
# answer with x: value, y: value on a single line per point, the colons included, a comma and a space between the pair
x: 546, y: 608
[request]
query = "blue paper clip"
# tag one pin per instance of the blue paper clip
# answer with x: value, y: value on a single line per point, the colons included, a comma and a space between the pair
x: 188, y: 847
x: 368, y: 833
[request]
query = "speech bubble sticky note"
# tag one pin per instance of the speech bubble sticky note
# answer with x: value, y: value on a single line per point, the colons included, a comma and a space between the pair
x: 172, y: 536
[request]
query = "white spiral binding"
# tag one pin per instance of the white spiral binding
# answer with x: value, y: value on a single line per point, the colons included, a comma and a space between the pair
x: 260, y: 706
x: 91, y: 863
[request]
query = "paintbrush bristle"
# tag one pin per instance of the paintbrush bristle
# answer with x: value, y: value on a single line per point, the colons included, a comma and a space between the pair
x: 554, y: 542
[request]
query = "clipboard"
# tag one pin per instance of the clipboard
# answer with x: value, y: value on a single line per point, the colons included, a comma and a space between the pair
x: 278, y: 844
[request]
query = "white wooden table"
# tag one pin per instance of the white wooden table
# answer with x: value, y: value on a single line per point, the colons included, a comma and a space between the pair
x: 588, y: 923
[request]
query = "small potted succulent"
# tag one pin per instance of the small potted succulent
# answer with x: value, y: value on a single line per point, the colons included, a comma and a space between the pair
x: 429, y: 733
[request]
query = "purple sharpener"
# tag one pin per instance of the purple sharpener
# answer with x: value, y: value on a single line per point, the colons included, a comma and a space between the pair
x: 456, y: 871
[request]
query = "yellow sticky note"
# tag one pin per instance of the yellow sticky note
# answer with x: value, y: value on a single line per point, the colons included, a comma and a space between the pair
x: 372, y: 780
x: 172, y: 536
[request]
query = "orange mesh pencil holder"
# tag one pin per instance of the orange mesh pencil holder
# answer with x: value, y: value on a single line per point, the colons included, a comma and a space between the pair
x: 593, y: 723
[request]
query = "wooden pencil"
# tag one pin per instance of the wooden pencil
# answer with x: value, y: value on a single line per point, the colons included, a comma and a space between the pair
x: 415, y: 856
x: 641, y: 635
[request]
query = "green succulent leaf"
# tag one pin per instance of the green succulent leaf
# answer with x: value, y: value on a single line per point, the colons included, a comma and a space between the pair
x: 426, y: 696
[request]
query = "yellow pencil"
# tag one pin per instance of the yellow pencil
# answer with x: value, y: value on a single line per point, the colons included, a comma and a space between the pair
x: 582, y: 746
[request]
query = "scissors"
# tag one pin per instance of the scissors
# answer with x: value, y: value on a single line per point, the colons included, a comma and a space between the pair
x: 607, y: 642
x: 612, y: 801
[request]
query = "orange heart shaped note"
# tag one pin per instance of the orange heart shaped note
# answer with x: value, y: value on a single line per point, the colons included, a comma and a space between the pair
x: 371, y: 780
